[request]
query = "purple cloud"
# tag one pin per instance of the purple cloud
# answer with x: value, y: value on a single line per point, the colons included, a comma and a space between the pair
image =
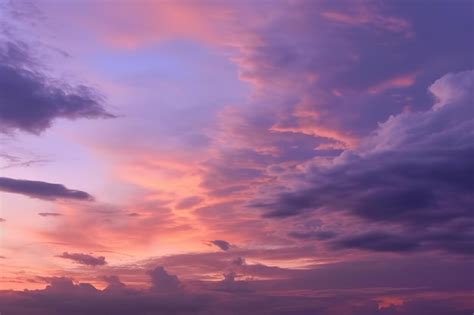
x: 223, y: 245
x: 41, y: 190
x: 84, y: 259
x: 163, y: 282
x: 30, y: 101
x: 414, y: 171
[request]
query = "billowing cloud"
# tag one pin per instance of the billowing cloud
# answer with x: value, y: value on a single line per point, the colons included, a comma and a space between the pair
x: 84, y: 259
x: 163, y: 282
x: 30, y: 101
x: 41, y: 190
x: 414, y: 171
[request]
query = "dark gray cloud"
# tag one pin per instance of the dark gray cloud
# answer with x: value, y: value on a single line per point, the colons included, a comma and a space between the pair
x: 223, y: 245
x: 41, y: 190
x: 84, y: 259
x: 30, y: 101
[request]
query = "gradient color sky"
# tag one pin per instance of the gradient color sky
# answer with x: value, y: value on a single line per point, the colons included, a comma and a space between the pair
x: 237, y: 157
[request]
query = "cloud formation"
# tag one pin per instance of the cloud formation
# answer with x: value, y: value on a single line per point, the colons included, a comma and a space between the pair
x: 30, y: 101
x: 41, y: 190
x: 223, y: 245
x: 84, y: 259
x: 163, y: 282
x: 414, y: 171
x: 49, y: 214
x: 63, y: 295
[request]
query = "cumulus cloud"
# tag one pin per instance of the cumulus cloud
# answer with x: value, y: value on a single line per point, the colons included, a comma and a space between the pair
x: 84, y: 259
x: 30, y: 101
x: 163, y: 282
x: 41, y: 190
x: 230, y: 284
x: 64, y: 296
x: 327, y: 290
x: 414, y: 171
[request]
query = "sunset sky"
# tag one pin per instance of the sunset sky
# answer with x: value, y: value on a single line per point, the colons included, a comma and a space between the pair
x: 237, y: 157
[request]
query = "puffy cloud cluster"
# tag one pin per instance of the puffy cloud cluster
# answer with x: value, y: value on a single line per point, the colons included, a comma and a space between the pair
x: 307, y: 295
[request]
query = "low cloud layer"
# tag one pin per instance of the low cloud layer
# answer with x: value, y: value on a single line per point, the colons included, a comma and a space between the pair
x: 63, y: 295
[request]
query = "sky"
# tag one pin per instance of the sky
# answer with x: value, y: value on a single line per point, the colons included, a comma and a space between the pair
x: 237, y: 157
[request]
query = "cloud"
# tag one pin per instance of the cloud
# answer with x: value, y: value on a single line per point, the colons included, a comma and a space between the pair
x: 64, y: 296
x: 223, y: 245
x: 312, y: 235
x: 347, y: 288
x: 41, y: 190
x: 49, y: 214
x: 163, y: 282
x: 231, y: 285
x: 84, y: 259
x: 30, y: 101
x: 379, y: 241
x: 414, y: 171
x: 2, y: 220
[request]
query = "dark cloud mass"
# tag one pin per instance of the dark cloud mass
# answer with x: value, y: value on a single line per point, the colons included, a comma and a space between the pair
x: 41, y: 190
x: 378, y: 241
x: 84, y: 259
x: 414, y: 171
x: 30, y: 101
